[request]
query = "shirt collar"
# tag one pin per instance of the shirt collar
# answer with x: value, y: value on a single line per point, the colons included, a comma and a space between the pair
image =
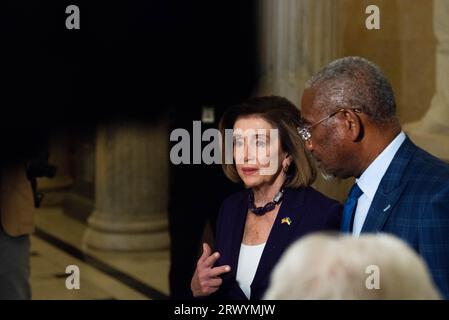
x: 370, y: 179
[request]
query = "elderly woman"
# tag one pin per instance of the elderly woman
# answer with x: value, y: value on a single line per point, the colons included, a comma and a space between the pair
x: 277, y: 207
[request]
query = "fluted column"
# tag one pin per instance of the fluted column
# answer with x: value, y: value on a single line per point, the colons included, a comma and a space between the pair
x: 432, y: 131
x: 131, y: 188
x: 296, y: 39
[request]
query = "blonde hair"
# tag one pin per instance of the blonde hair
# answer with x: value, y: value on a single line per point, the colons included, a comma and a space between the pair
x: 284, y: 116
x: 324, y: 266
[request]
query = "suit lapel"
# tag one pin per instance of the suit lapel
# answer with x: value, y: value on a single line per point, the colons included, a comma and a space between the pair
x: 390, y: 189
x: 280, y: 234
x: 383, y: 203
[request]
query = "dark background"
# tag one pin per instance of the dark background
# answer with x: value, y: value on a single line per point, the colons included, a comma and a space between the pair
x: 130, y: 58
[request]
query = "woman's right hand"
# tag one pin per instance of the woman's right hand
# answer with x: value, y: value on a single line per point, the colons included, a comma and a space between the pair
x: 206, y: 279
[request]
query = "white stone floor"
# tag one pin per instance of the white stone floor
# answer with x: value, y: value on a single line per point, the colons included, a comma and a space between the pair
x: 99, y: 279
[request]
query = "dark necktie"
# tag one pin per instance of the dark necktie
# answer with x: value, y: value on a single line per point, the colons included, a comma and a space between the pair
x: 349, y: 208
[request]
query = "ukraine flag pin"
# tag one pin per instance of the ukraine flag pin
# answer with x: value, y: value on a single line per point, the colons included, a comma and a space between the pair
x: 286, y: 220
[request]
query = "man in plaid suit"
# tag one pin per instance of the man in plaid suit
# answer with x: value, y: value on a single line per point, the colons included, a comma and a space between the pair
x: 350, y: 127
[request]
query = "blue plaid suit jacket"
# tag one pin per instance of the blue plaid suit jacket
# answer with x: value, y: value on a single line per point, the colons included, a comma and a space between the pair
x: 412, y: 202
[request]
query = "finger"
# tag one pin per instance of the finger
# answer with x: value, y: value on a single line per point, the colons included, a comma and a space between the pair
x: 206, y: 253
x: 215, y: 272
x: 209, y: 262
x: 214, y: 282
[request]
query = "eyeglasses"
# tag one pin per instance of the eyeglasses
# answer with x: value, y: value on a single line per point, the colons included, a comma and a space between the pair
x: 304, y: 132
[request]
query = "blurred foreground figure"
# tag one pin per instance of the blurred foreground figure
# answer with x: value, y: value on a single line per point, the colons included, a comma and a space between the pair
x: 342, y: 267
x: 17, y: 213
x: 24, y: 159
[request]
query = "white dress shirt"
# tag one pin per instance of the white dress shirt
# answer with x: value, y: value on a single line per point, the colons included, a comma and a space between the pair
x: 370, y: 179
x: 249, y: 258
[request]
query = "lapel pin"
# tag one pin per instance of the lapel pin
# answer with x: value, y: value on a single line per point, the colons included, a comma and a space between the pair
x: 286, y: 220
x: 387, y: 207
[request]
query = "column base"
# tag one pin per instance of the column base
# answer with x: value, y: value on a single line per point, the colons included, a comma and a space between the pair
x: 127, y: 235
x: 78, y: 206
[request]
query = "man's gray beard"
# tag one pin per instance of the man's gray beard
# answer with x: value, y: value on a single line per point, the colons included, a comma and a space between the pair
x: 327, y: 176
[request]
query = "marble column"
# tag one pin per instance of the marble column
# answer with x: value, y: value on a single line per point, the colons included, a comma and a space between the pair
x: 131, y: 188
x: 432, y: 131
x: 79, y: 202
x: 296, y: 39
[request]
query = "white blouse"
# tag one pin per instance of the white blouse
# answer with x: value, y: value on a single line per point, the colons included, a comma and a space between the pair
x: 248, y: 262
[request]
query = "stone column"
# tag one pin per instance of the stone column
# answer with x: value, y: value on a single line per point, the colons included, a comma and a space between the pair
x: 296, y: 39
x: 432, y: 131
x: 79, y: 202
x: 131, y: 188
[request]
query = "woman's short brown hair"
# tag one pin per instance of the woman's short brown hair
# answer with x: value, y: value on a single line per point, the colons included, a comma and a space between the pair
x: 283, y: 115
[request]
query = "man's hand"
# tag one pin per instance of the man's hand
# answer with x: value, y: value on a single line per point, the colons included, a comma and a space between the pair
x: 206, y: 279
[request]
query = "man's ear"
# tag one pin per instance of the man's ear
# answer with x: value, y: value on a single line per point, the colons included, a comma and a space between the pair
x: 354, y: 124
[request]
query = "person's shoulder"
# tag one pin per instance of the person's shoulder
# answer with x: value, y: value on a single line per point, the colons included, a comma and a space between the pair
x: 319, y: 210
x: 426, y: 169
x: 236, y: 197
x: 315, y: 198
x: 424, y: 159
x: 231, y: 206
x: 234, y: 201
x: 425, y: 177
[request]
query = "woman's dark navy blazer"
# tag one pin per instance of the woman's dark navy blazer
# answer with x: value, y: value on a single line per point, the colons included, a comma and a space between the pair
x: 302, y: 211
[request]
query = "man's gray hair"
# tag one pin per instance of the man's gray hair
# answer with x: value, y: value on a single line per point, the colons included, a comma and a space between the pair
x: 357, y: 83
